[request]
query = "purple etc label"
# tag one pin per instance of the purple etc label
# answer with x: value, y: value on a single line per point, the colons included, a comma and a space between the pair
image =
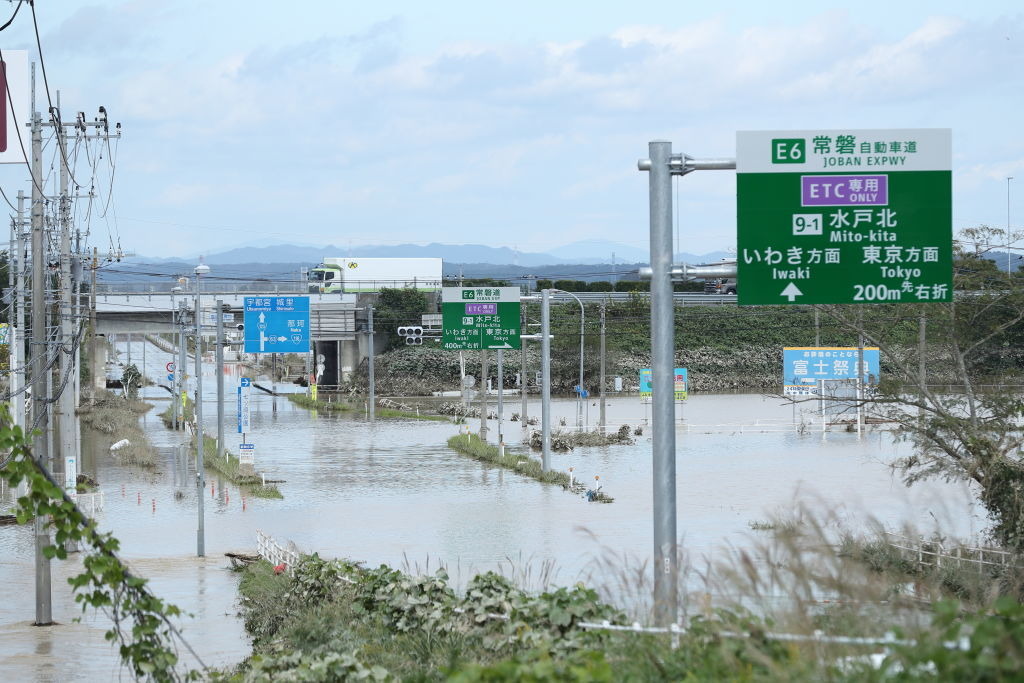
x: 844, y: 190
x: 481, y: 309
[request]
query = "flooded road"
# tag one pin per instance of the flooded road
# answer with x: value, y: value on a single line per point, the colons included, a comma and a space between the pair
x: 392, y: 492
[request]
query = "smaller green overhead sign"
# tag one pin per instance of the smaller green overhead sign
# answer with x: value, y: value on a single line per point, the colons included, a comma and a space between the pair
x: 480, y: 318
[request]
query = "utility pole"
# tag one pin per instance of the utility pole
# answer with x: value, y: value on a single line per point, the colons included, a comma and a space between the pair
x: 545, y: 379
x: 39, y: 371
x: 604, y: 423
x: 67, y: 458
x: 372, y: 408
x: 200, y: 270
x: 219, y: 353
x: 17, y: 338
x: 97, y: 369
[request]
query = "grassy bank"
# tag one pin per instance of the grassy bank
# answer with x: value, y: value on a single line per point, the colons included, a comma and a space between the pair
x: 344, y: 407
x: 229, y: 468
x: 110, y: 418
x: 304, y: 401
x: 474, y: 447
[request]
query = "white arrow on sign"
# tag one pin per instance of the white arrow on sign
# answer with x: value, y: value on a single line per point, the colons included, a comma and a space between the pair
x: 791, y: 291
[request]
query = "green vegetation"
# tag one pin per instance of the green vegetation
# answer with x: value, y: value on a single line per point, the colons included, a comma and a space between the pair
x: 396, y: 307
x: 336, y: 620
x: 474, y: 447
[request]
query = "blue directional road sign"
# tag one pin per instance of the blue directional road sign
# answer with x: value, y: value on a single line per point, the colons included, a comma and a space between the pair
x: 803, y: 367
x: 276, y: 324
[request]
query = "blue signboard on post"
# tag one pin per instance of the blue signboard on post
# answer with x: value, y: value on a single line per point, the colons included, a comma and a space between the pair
x: 805, y: 366
x: 276, y: 324
x: 680, y: 378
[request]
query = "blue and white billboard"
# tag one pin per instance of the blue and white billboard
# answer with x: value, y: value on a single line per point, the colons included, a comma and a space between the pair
x: 804, y: 366
x: 276, y: 324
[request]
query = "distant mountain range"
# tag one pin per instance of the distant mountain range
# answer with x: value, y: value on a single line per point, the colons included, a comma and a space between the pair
x: 587, y: 260
x: 583, y: 252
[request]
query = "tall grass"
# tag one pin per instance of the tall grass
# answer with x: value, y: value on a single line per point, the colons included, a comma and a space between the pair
x: 111, y: 418
x: 474, y: 447
x: 231, y: 469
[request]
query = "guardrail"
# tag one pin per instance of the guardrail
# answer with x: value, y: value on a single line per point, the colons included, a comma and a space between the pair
x: 274, y: 553
x: 934, y: 554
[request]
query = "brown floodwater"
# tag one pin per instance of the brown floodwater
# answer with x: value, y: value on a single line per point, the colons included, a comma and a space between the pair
x: 392, y: 492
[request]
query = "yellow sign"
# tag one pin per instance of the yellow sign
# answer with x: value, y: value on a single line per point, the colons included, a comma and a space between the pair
x: 184, y: 400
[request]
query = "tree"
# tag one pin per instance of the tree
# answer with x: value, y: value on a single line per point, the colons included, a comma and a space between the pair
x: 398, y: 307
x: 966, y: 432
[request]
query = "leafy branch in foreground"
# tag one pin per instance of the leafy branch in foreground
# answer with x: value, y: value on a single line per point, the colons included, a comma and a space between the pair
x: 141, y: 623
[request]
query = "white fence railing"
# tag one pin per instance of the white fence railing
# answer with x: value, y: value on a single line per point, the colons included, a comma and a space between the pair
x: 274, y: 553
x: 90, y: 503
x: 935, y: 554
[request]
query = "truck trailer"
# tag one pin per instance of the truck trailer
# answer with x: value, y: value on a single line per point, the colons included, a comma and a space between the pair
x: 373, y: 274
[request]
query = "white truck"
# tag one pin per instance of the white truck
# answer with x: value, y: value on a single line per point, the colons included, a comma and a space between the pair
x: 373, y: 274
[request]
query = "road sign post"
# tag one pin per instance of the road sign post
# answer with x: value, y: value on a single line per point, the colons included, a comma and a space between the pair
x: 243, y: 414
x: 844, y: 216
x: 480, y: 318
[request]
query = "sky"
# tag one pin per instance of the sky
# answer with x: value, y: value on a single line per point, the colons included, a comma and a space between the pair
x: 512, y: 124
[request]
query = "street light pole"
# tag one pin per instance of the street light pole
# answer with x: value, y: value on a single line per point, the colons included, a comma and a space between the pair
x: 200, y: 270
x: 579, y: 397
x: 179, y: 368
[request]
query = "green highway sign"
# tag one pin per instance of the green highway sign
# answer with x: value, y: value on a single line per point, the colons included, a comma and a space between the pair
x: 480, y: 318
x: 844, y: 216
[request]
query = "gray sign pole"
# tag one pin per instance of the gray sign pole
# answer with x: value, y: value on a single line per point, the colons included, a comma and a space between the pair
x: 370, y: 378
x: 483, y: 394
x: 522, y: 373
x: 501, y: 394
x: 603, y: 418
x: 219, y: 353
x: 666, y: 570
x: 545, y: 379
